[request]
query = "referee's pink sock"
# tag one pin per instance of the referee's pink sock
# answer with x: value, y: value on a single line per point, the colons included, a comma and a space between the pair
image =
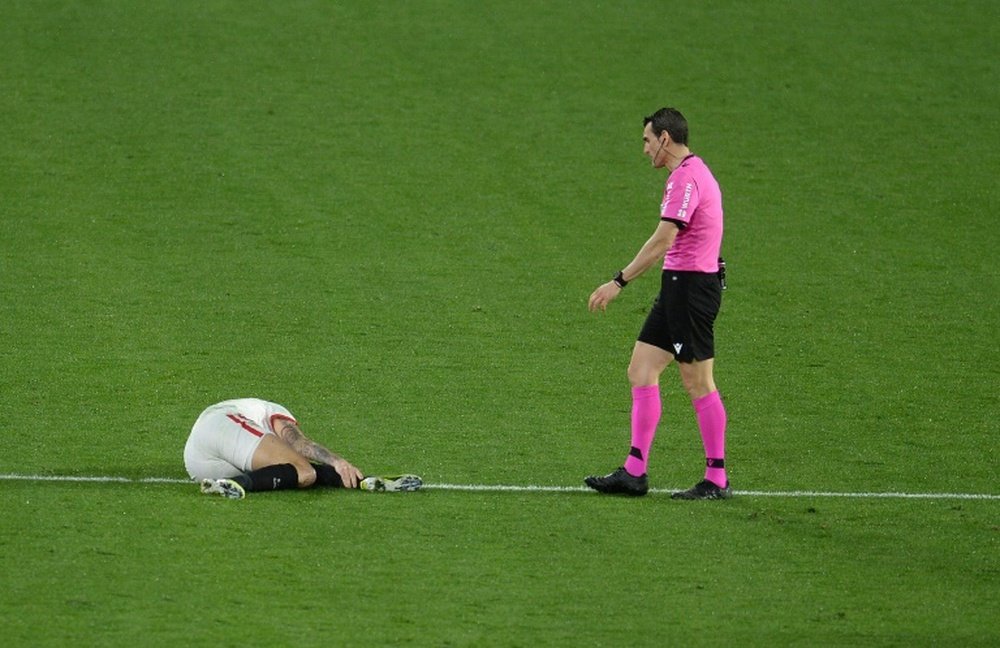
x: 712, y: 423
x: 646, y: 410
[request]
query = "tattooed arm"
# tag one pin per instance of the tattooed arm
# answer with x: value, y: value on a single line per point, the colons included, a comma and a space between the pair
x: 289, y: 431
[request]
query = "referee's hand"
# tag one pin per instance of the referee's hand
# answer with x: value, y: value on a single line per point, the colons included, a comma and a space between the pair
x: 600, y: 298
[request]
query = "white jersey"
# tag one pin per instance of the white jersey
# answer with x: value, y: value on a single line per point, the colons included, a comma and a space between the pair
x: 260, y: 413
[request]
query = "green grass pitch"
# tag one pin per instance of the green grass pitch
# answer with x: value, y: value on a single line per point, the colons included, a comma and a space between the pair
x: 388, y: 217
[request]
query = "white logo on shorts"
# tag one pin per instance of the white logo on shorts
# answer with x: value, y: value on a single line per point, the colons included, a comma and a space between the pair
x: 677, y: 347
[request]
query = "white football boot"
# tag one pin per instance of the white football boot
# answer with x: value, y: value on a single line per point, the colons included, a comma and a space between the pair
x: 400, y: 483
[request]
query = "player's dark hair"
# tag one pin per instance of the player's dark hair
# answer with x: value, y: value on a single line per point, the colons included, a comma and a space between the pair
x: 670, y: 120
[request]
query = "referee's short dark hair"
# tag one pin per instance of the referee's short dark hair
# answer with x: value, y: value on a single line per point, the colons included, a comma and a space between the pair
x: 670, y: 120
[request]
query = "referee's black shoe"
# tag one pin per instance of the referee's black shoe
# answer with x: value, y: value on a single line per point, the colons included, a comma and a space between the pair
x: 704, y: 490
x: 619, y: 483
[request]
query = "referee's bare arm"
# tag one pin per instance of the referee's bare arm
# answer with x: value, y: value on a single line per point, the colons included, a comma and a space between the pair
x: 651, y: 252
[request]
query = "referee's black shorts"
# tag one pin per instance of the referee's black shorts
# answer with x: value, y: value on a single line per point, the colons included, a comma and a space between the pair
x: 682, y: 319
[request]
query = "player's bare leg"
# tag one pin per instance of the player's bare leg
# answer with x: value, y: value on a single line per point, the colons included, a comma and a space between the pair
x: 274, y: 451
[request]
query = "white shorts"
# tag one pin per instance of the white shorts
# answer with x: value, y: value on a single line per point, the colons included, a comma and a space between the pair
x: 221, y: 444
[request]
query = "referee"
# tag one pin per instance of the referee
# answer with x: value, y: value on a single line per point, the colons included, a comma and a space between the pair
x: 680, y: 324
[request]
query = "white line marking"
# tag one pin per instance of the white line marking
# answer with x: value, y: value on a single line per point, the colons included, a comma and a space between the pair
x: 502, y: 488
x: 83, y: 478
x: 584, y: 489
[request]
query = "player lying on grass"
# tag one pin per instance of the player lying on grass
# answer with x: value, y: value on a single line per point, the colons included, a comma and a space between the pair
x: 249, y: 444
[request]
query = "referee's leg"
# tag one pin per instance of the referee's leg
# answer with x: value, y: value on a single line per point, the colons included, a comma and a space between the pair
x: 711, y: 414
x: 697, y: 377
x: 648, y: 362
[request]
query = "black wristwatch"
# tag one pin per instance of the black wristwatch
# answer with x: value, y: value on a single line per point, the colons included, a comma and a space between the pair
x: 620, y: 280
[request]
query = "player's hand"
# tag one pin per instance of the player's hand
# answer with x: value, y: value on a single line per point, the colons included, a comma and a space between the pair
x: 350, y: 475
x: 600, y: 298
